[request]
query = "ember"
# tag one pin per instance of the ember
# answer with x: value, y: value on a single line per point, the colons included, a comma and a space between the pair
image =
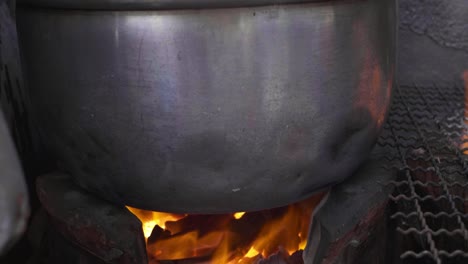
x: 271, y: 236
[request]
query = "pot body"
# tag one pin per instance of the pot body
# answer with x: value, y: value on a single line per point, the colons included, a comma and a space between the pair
x: 211, y: 110
x: 153, y: 4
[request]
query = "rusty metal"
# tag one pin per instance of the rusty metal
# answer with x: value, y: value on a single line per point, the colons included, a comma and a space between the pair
x: 426, y: 139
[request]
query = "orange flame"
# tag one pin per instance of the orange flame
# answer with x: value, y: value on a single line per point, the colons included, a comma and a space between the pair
x: 233, y: 238
x: 188, y: 245
x: 239, y: 215
x: 151, y: 219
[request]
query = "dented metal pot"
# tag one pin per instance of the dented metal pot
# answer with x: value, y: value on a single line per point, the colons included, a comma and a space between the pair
x: 211, y: 109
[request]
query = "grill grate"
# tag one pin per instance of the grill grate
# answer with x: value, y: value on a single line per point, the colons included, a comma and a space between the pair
x: 426, y: 140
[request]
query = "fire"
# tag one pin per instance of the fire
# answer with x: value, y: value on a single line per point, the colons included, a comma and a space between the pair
x: 251, y: 253
x: 151, y: 219
x: 229, y: 238
x: 239, y: 215
x: 148, y: 227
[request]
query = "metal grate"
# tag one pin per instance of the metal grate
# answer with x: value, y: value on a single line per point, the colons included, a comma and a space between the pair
x: 426, y: 140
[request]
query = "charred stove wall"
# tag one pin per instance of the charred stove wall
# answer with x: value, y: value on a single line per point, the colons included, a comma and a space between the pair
x: 433, y: 41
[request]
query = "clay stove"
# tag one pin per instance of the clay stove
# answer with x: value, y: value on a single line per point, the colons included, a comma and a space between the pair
x: 340, y: 225
x: 114, y: 234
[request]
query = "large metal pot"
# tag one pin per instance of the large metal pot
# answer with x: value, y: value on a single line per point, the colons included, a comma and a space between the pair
x: 209, y: 110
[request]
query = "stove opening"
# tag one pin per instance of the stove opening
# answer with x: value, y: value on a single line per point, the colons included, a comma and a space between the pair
x: 241, y: 237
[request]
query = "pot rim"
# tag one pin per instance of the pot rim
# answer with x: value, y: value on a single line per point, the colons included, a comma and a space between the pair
x: 156, y: 4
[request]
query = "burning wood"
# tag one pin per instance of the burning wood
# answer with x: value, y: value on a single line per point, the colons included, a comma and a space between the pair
x: 264, y: 237
x: 186, y: 245
x: 158, y: 233
x: 277, y: 258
